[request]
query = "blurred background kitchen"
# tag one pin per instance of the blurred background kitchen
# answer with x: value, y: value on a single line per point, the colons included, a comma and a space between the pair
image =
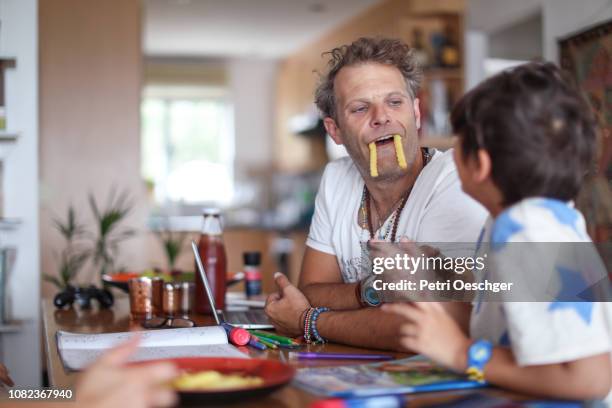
x: 158, y: 108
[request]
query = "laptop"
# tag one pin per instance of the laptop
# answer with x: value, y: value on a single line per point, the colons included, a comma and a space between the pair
x: 250, y: 319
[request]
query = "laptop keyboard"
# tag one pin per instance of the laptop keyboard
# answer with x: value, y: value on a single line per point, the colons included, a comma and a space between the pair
x: 251, y: 316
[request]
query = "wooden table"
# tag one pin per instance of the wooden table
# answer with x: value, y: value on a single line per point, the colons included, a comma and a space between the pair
x: 117, y: 319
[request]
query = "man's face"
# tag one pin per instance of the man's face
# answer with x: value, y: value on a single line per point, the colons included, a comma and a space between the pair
x: 373, y: 103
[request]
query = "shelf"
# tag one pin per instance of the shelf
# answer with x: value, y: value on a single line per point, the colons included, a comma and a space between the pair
x: 7, y: 62
x: 11, y: 327
x: 8, y: 224
x: 443, y: 73
x: 8, y: 136
x: 8, y: 141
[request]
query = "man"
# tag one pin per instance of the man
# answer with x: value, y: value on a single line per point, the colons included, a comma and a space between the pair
x: 387, y: 188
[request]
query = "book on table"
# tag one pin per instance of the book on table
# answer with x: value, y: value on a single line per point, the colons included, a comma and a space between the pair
x: 404, y: 376
x: 78, y: 350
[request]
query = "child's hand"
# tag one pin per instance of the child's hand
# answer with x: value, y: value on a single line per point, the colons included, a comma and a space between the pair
x: 430, y: 330
x: 110, y: 383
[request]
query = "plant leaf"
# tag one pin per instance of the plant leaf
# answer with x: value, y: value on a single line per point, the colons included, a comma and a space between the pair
x: 54, y: 280
x: 94, y: 206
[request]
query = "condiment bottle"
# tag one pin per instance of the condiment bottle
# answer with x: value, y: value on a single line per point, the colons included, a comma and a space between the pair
x: 252, y: 273
x: 214, y: 260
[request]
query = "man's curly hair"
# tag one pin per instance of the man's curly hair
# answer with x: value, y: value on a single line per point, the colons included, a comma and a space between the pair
x: 386, y: 51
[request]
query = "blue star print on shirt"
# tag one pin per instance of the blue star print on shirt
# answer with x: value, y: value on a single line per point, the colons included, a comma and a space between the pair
x: 503, y: 228
x: 562, y: 212
x: 572, y: 283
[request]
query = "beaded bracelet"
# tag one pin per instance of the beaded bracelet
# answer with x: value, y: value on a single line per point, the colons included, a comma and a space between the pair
x: 307, y: 326
x: 315, y: 316
x: 311, y: 334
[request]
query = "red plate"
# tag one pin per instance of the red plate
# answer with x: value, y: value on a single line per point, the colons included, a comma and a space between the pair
x: 274, y: 374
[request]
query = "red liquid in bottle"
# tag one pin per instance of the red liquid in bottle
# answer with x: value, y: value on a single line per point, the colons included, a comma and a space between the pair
x: 214, y: 260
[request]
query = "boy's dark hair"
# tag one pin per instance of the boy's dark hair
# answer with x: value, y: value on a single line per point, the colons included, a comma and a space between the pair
x: 536, y: 127
x: 381, y: 50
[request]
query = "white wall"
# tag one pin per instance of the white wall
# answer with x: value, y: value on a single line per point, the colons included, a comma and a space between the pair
x: 564, y: 17
x: 19, y: 39
x: 252, y: 86
x: 476, y: 48
x: 559, y: 19
x: 522, y: 41
x: 494, y: 15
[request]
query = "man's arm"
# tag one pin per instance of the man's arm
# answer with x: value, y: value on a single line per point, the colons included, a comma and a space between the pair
x: 348, y: 323
x: 321, y: 282
x: 368, y: 327
x: 365, y: 327
x: 373, y: 328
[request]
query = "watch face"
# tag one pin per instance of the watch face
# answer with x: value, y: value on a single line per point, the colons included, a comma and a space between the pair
x: 371, y: 296
x: 480, y: 351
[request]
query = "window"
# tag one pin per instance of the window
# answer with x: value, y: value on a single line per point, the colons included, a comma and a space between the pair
x: 188, y: 144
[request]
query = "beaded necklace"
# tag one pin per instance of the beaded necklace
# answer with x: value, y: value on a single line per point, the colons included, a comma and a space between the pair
x: 392, y: 221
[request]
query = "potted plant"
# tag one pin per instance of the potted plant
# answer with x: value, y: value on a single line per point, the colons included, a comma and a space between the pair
x: 109, y: 235
x: 172, y: 243
x: 74, y: 255
x: 71, y: 260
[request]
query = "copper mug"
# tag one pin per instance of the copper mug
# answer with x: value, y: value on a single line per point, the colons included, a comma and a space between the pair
x: 171, y: 299
x: 145, y: 297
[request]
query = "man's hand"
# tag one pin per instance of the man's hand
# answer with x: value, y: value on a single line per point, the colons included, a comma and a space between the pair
x: 428, y: 329
x: 110, y: 383
x: 286, y: 307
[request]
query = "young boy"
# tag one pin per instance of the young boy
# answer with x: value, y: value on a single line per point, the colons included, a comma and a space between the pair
x: 525, y: 141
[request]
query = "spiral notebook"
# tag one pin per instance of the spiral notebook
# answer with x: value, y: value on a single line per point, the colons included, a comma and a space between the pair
x: 77, y: 350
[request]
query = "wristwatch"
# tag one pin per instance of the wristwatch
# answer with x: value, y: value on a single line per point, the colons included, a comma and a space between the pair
x: 368, y: 296
x: 479, y: 354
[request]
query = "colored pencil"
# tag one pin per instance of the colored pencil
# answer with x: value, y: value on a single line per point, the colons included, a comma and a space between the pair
x: 257, y: 344
x: 266, y: 343
x: 276, y: 337
x: 337, y: 356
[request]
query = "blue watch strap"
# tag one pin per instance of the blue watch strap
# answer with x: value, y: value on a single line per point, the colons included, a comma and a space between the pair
x: 479, y: 354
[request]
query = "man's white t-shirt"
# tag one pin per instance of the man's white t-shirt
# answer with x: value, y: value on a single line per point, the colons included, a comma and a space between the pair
x: 436, y: 211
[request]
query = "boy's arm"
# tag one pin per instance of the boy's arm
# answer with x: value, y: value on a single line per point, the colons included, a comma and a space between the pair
x: 428, y: 329
x: 582, y: 379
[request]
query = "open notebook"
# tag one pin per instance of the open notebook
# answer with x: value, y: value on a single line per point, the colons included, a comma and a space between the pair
x: 78, y: 350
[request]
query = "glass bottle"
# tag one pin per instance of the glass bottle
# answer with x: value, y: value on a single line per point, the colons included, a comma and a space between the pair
x: 252, y: 273
x: 214, y: 260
